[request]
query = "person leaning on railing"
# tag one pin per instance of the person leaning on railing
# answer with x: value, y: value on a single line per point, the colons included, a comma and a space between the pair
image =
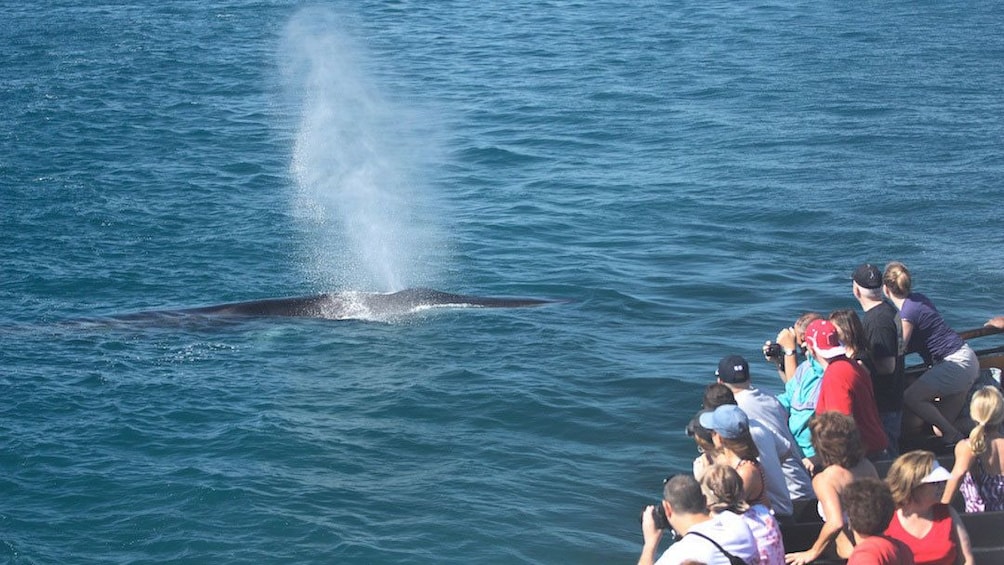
x: 954, y: 366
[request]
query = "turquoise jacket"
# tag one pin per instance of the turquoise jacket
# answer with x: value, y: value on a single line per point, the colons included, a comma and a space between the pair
x: 799, y: 398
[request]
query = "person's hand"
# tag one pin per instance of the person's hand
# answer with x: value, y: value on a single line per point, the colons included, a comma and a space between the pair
x: 809, y: 465
x: 996, y: 322
x: 786, y: 338
x: 651, y: 533
x: 800, y: 558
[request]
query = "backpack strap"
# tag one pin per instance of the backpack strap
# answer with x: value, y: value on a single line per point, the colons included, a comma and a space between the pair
x: 733, y: 559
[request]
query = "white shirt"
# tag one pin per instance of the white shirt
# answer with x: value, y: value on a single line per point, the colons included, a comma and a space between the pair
x: 728, y: 529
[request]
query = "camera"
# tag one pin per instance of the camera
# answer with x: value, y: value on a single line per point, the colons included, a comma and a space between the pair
x: 658, y: 516
x: 773, y: 351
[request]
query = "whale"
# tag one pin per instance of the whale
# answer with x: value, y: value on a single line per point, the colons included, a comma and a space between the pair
x: 346, y: 305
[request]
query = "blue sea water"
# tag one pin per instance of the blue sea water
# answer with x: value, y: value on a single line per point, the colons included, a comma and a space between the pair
x: 691, y: 176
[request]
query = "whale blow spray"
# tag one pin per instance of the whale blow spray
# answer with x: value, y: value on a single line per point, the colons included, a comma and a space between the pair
x: 355, y: 165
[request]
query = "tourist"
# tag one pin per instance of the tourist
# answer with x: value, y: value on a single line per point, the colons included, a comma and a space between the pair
x: 979, y: 460
x: 771, y: 449
x: 869, y: 507
x: 846, y: 386
x: 838, y: 445
x: 784, y: 351
x: 705, y: 445
x: 851, y: 334
x: 735, y: 446
x: 734, y: 372
x: 801, y: 390
x: 931, y: 528
x: 882, y: 334
x: 704, y: 539
x: 723, y: 487
x: 953, y: 364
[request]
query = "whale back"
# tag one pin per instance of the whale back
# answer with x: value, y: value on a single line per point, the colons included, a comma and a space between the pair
x: 349, y: 305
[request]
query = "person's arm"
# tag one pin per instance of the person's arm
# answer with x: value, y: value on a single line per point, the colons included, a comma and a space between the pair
x: 961, y: 537
x: 752, y: 481
x: 996, y: 321
x: 885, y: 365
x: 830, y: 499
x: 786, y: 339
x: 701, y: 464
x: 652, y: 536
x: 963, y: 460
x: 907, y: 332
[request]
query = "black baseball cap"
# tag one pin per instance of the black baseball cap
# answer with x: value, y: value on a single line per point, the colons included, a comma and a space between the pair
x: 733, y: 369
x: 868, y: 276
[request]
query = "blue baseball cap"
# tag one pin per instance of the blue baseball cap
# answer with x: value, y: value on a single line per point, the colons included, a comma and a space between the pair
x: 728, y: 420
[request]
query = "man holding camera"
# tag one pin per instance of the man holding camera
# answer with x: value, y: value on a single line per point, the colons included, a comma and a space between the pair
x: 703, y: 538
x: 801, y: 388
x: 882, y: 330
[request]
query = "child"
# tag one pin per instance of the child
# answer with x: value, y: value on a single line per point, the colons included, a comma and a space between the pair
x: 869, y: 507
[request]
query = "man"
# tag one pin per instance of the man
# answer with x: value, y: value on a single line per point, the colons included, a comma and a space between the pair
x: 734, y: 372
x: 801, y: 390
x: 882, y: 332
x: 846, y: 386
x: 686, y: 510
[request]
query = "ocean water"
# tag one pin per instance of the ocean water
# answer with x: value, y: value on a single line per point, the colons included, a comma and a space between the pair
x: 689, y: 176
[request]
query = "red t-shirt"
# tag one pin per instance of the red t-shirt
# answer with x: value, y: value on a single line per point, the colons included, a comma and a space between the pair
x: 880, y: 550
x: 847, y: 388
x: 937, y: 547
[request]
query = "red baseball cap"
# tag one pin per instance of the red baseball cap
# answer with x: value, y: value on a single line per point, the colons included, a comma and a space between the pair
x: 821, y: 335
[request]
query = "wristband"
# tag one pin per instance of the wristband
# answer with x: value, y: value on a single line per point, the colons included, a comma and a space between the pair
x: 789, y: 352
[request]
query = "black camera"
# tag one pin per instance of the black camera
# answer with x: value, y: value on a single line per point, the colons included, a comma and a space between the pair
x: 773, y: 351
x: 658, y: 516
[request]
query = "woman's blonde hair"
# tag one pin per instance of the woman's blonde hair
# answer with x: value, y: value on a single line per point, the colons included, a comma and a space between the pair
x: 896, y: 279
x: 987, y: 410
x: 723, y: 487
x: 906, y: 472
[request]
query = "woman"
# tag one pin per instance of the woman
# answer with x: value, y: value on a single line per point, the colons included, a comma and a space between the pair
x: 838, y: 444
x: 852, y: 335
x: 931, y: 529
x: 979, y: 460
x: 953, y: 364
x: 704, y: 439
x: 723, y: 487
x: 735, y: 448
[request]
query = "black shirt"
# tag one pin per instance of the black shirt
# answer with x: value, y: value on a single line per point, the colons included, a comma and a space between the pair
x: 883, y: 331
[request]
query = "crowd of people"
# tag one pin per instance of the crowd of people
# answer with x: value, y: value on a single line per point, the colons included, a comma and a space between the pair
x: 763, y: 459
